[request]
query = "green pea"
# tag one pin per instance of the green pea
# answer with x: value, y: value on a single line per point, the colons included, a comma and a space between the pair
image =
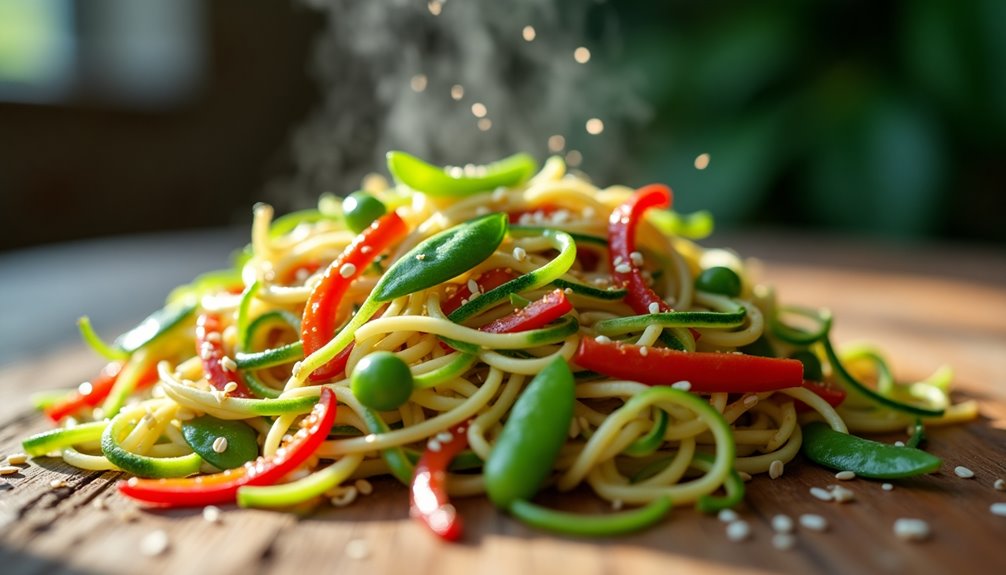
x: 721, y: 280
x: 382, y: 381
x: 535, y: 431
x: 811, y: 364
x: 239, y: 445
x: 361, y: 209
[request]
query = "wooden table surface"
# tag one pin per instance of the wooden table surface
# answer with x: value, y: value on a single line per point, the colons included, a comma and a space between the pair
x: 926, y: 307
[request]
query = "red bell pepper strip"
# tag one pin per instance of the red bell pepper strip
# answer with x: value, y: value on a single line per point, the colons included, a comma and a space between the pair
x: 829, y: 392
x: 99, y: 389
x: 222, y: 487
x: 210, y: 347
x: 536, y: 314
x: 707, y: 372
x: 318, y: 325
x: 622, y: 241
x: 489, y: 280
x: 428, y: 493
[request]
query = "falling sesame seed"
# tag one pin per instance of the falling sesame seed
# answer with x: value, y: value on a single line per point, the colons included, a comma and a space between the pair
x: 528, y: 33
x: 581, y: 55
x: 363, y: 486
x: 822, y: 494
x: 701, y: 161
x: 998, y: 509
x: 347, y: 270
x: 911, y: 529
x: 682, y: 385
x: 211, y: 514
x: 154, y: 543
x: 220, y: 444
x: 782, y: 523
x: 556, y: 143
x: 964, y: 472
x: 435, y: 6
x: 228, y: 363
x: 485, y: 124
x: 357, y: 549
x: 623, y: 268
x: 727, y: 515
x: 9, y: 469
x: 519, y: 254
x: 573, y: 158
x: 479, y: 110
x: 231, y: 387
x: 738, y: 531
x: 783, y: 541
x: 602, y: 339
x: 999, y: 485
x: 594, y: 126
x: 813, y: 522
x: 775, y: 469
x: 887, y: 486
x: 418, y: 83
x: 845, y: 475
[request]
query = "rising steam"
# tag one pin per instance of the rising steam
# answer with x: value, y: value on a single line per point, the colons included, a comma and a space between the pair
x: 417, y: 75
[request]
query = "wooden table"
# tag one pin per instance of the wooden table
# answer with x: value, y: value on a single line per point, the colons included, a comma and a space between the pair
x: 925, y: 306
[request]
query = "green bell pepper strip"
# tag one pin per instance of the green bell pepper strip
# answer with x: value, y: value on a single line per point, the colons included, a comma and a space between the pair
x: 540, y: 277
x: 435, y: 260
x: 461, y: 363
x: 535, y: 431
x: 796, y: 336
x: 434, y: 181
x: 884, y: 400
x: 650, y: 442
x: 733, y: 484
x: 59, y: 439
x: 871, y: 459
x: 591, y: 525
x: 203, y: 432
x: 141, y: 465
x: 395, y: 457
x: 519, y: 301
x: 623, y: 325
x: 696, y: 226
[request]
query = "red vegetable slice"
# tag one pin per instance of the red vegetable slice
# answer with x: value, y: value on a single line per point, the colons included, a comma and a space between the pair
x: 210, y: 347
x: 428, y: 493
x: 537, y: 314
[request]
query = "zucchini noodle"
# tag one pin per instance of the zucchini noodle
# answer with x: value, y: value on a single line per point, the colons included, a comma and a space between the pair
x: 628, y: 442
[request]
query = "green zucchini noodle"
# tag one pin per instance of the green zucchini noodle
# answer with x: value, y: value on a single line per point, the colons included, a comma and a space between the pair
x: 628, y: 442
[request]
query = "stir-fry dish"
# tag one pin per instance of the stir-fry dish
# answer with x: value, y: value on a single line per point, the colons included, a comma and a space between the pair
x: 492, y: 331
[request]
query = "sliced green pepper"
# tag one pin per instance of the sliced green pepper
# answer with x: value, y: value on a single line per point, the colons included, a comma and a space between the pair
x: 456, y: 182
x: 591, y: 525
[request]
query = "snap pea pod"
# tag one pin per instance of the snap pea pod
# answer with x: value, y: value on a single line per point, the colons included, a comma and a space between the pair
x: 591, y: 525
x: 457, y: 182
x: 532, y: 436
x: 695, y: 226
x: 866, y: 458
x: 204, y: 432
x: 142, y: 465
x: 623, y: 325
x: 540, y: 277
x: 435, y: 260
x: 58, y: 439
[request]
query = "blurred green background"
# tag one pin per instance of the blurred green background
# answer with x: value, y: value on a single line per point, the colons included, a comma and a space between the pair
x: 887, y: 119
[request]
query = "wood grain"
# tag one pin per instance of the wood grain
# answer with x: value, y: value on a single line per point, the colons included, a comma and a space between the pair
x: 923, y: 320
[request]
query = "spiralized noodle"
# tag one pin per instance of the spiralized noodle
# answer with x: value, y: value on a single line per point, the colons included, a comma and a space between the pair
x: 286, y: 268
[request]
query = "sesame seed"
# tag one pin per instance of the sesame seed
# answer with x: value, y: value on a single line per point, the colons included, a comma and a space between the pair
x: 418, y: 82
x: 602, y: 339
x: 623, y: 268
x: 637, y: 258
x: 99, y: 503
x: 998, y: 509
x: 738, y: 531
x: 420, y: 257
x: 911, y: 529
x: 357, y: 549
x: 899, y: 443
x: 363, y: 486
x: 782, y: 523
x: 154, y: 543
x: 999, y: 485
x: 556, y: 143
x: 457, y: 92
x: 654, y: 307
x: 842, y: 494
x: 822, y: 494
x: 211, y: 514
x: 57, y: 483
x: 595, y: 126
x: 231, y: 387
x: 433, y: 445
x: 9, y: 469
x: 218, y: 395
x: 498, y: 195
x: 775, y: 469
x: 845, y: 475
x: 220, y: 444
x: 964, y: 472
x: 228, y: 363
x: 481, y: 211
x: 682, y: 385
x: 750, y: 400
x: 473, y: 287
x: 366, y: 249
x: 445, y: 436
x: 479, y: 110
x: 813, y: 522
x: 783, y: 541
x: 347, y: 270
x: 213, y: 336
x: 727, y: 515
x: 745, y: 476
x: 581, y: 55
x: 702, y: 161
x: 644, y: 351
x: 435, y: 7
x: 887, y: 486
